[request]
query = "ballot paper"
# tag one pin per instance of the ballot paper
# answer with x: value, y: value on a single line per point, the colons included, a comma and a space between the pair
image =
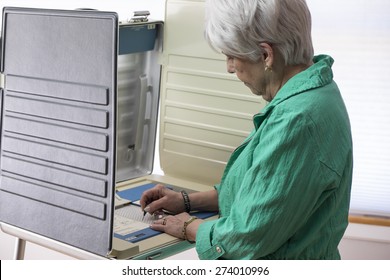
x: 130, y: 224
x: 130, y: 219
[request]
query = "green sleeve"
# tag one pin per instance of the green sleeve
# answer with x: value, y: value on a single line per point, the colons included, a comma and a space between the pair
x: 275, y: 196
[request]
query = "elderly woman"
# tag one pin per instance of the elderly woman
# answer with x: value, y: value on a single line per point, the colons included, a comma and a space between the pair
x: 285, y: 191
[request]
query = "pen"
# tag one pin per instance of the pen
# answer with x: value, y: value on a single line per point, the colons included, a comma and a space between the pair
x: 122, y: 205
x: 120, y: 202
x: 146, y: 206
x: 144, y: 215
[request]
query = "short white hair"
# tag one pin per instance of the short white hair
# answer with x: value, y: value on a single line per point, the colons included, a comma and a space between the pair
x: 238, y: 27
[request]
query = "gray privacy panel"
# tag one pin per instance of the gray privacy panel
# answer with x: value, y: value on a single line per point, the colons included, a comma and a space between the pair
x: 1, y: 111
x: 58, y: 127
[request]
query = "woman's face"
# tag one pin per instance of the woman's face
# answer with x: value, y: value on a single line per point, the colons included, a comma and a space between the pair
x: 252, y: 74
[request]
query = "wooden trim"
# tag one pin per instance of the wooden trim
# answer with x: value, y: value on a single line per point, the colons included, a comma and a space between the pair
x: 370, y: 220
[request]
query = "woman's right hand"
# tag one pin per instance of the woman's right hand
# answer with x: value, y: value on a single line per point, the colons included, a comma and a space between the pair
x: 161, y: 198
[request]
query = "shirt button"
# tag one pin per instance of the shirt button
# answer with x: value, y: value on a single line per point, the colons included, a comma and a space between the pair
x: 219, y: 250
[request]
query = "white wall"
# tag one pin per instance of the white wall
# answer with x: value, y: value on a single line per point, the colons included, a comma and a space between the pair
x: 365, y: 242
x: 360, y: 241
x: 123, y: 8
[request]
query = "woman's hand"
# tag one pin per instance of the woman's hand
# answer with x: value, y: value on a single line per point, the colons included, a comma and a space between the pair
x: 161, y: 198
x: 174, y: 226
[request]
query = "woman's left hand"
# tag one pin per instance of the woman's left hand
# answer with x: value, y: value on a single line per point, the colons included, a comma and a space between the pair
x: 172, y: 225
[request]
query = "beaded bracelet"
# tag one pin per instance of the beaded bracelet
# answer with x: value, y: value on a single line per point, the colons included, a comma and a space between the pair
x: 187, y: 203
x: 184, y: 231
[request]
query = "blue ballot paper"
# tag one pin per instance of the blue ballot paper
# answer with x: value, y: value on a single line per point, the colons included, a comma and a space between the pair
x: 134, y: 194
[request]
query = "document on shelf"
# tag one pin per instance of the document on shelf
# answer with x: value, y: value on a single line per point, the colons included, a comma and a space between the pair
x: 130, y: 219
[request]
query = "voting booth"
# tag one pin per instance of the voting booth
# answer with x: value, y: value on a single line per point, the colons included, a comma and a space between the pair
x: 84, y: 98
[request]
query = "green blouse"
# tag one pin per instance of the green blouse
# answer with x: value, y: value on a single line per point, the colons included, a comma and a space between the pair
x: 285, y: 191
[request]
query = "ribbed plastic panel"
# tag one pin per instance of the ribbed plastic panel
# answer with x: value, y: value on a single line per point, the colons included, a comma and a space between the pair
x: 206, y: 113
x: 59, y: 108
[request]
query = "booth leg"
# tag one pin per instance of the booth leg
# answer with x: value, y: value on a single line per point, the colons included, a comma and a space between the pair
x: 20, y: 247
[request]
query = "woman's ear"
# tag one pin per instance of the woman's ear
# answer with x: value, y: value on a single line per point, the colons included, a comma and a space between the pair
x: 268, y: 54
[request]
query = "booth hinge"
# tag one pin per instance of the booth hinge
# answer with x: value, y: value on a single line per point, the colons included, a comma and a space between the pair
x: 162, y: 59
x: 2, y: 83
x: 139, y: 16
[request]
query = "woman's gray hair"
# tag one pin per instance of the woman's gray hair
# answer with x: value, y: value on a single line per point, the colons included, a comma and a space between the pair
x: 238, y: 27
